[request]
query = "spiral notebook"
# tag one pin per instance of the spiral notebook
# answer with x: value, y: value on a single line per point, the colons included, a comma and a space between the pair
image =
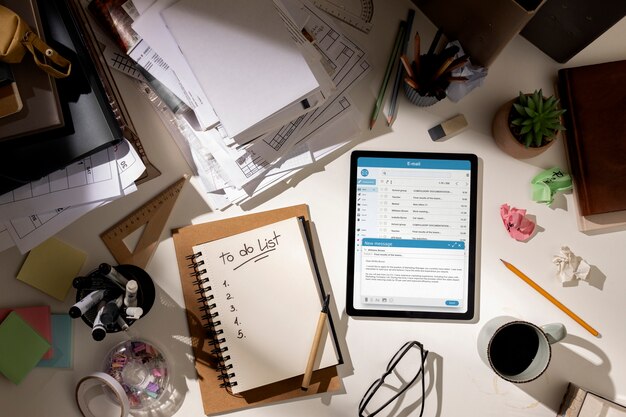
x: 260, y: 287
x: 268, y: 338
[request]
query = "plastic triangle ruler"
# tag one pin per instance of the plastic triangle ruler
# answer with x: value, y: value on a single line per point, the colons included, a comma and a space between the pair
x: 357, y: 13
x: 153, y: 214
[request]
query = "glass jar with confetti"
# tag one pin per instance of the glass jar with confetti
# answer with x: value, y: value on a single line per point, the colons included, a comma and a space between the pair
x: 142, y: 371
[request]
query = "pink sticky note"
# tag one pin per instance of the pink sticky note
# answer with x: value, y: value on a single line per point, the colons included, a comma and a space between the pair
x: 516, y: 223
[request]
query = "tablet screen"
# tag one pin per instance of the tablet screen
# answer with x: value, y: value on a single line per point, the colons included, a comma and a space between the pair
x: 412, y: 235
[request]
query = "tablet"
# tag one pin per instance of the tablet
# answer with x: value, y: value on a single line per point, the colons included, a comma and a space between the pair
x: 412, y: 235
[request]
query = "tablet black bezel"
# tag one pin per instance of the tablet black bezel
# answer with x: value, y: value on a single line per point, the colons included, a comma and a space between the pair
x: 471, y: 291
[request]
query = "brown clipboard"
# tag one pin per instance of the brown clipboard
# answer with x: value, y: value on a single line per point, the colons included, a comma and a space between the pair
x: 214, y: 398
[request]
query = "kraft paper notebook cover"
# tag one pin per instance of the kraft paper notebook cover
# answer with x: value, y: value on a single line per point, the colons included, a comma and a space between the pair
x: 595, y: 138
x: 216, y: 399
x: 41, y: 109
x: 38, y: 318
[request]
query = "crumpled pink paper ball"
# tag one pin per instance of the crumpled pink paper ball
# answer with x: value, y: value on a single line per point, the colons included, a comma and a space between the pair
x: 516, y: 223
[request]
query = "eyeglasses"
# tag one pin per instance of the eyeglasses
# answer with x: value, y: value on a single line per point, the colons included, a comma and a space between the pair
x: 405, y: 367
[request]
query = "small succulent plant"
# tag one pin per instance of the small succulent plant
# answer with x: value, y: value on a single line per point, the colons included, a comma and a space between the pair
x: 535, y: 119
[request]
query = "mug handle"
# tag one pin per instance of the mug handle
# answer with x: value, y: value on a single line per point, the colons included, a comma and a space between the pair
x: 555, y: 332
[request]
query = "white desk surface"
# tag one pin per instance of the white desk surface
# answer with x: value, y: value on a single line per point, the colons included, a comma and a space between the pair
x: 458, y: 382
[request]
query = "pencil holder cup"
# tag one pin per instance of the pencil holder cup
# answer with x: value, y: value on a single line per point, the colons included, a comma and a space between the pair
x: 418, y: 99
x: 112, y: 282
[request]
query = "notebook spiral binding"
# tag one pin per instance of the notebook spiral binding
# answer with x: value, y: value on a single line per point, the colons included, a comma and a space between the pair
x: 209, y: 318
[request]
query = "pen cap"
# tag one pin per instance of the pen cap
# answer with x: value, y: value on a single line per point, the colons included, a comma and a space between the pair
x: 130, y: 297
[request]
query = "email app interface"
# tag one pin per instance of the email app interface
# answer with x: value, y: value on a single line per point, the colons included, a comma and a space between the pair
x: 412, y: 230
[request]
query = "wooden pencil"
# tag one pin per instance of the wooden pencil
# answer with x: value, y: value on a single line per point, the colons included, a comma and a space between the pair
x: 383, y: 86
x: 407, y: 65
x: 551, y: 298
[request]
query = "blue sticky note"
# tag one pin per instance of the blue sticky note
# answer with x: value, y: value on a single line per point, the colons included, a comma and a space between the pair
x: 21, y: 347
x: 61, y: 343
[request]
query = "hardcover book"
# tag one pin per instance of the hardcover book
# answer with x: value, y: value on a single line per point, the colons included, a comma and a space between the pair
x: 594, y: 96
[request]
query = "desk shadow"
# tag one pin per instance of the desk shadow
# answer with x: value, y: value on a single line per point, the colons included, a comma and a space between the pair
x: 340, y: 323
x: 568, y: 366
x: 595, y: 278
x: 163, y: 327
x: 409, y: 402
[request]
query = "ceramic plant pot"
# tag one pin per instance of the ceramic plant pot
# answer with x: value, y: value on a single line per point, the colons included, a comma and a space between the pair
x: 505, y: 139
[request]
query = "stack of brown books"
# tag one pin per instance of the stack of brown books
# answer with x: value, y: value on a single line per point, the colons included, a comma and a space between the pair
x: 594, y: 96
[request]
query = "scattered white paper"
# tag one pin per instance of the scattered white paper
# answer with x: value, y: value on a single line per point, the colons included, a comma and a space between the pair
x: 153, y: 30
x: 129, y: 164
x: 569, y: 266
x: 5, y: 238
x: 229, y: 173
x: 28, y: 232
x: 141, y: 5
x: 266, y: 75
x: 348, y: 64
x: 94, y: 178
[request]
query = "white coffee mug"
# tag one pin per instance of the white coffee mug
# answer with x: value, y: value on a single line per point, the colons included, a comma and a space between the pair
x: 516, y: 350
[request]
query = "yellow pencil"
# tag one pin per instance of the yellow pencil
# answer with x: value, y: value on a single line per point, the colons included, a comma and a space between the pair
x: 551, y: 298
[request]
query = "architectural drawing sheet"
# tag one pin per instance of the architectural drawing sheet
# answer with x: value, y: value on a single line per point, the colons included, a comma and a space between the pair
x: 94, y: 178
x: 348, y: 64
x: 246, y: 165
x: 29, y: 231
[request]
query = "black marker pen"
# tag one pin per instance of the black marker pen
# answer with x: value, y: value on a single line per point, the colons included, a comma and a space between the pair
x: 122, y: 323
x: 112, y: 274
x: 82, y: 282
x: 112, y: 311
x: 98, y: 332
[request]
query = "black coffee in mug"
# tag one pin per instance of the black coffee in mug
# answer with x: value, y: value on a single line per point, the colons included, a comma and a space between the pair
x: 513, y: 348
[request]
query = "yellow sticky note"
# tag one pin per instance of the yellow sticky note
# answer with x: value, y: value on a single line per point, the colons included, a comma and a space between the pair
x: 51, y: 267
